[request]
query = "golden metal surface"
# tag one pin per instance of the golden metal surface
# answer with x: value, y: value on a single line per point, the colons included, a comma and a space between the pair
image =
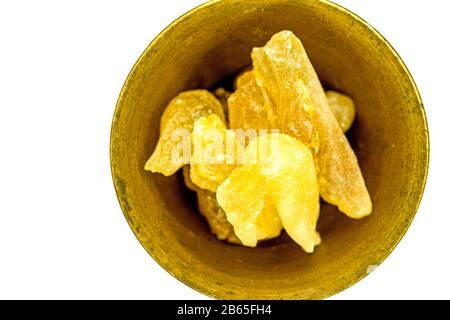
x: 390, y: 138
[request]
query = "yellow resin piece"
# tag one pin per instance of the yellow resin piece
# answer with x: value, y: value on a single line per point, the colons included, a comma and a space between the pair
x: 204, y: 178
x: 177, y: 122
x: 278, y: 73
x: 268, y: 223
x: 291, y: 87
x: 215, y: 152
x: 246, y: 106
x: 278, y: 170
x: 343, y: 109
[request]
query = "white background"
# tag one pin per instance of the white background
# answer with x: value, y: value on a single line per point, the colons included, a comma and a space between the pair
x: 62, y: 234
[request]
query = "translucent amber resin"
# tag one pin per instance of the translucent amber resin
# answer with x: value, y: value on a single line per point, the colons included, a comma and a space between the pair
x: 291, y: 88
x: 278, y: 175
